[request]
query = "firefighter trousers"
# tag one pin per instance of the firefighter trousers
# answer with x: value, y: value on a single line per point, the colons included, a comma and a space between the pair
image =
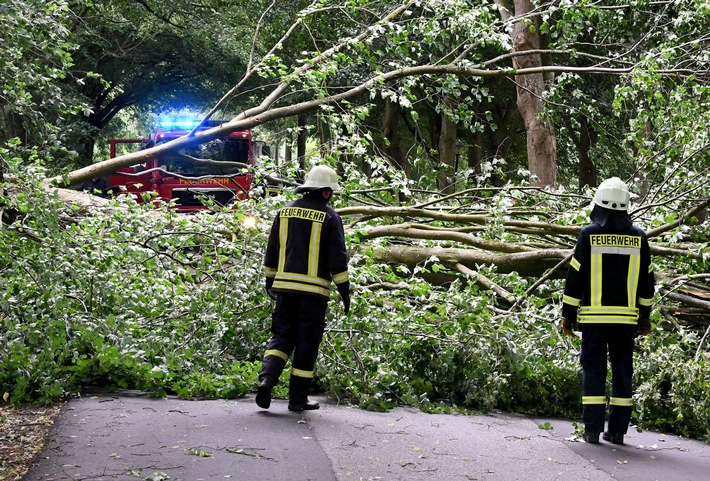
x: 618, y: 341
x: 297, y: 327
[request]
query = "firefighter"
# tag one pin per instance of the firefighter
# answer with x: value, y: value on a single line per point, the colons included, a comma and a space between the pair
x: 608, y: 294
x: 305, y: 253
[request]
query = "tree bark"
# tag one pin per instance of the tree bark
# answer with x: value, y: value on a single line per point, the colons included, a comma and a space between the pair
x: 301, y: 141
x: 533, y: 263
x: 447, y: 151
x: 541, y: 143
x: 393, y: 140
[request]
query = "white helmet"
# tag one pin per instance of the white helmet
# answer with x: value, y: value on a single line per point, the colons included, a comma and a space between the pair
x: 613, y: 194
x: 319, y: 177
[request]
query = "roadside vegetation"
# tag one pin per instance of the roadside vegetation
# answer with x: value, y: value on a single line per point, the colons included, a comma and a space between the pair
x: 467, y: 173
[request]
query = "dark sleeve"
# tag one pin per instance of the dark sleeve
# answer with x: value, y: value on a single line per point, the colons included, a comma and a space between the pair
x: 575, y: 283
x: 337, y: 251
x: 271, y: 258
x: 647, y: 281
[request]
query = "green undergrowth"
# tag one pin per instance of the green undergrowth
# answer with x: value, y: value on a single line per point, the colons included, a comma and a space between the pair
x: 143, y: 298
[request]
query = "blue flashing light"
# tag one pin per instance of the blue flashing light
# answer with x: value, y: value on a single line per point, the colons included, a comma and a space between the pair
x: 180, y: 124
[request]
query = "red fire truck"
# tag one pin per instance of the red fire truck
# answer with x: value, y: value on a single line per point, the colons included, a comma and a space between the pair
x: 218, y: 169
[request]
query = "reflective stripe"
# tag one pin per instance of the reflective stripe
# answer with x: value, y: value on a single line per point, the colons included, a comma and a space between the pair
x: 283, y: 236
x: 621, y: 401
x: 302, y: 287
x: 609, y: 311
x: 301, y: 373
x: 575, y: 264
x: 596, y: 284
x: 632, y: 279
x: 645, y: 302
x: 277, y: 353
x: 608, y: 315
x: 314, y: 249
x: 572, y: 301
x: 606, y: 320
x: 269, y: 271
x: 624, y: 251
x: 340, y: 278
x: 292, y: 276
x: 593, y: 400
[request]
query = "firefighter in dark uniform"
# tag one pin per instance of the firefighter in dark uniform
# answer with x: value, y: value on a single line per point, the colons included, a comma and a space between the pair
x: 608, y: 294
x: 305, y: 253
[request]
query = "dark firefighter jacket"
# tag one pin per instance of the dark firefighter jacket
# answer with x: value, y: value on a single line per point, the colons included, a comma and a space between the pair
x: 610, y: 279
x: 306, y: 249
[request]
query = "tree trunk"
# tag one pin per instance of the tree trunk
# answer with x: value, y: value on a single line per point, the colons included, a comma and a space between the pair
x: 14, y: 127
x: 392, y: 137
x: 447, y: 151
x: 542, y: 147
x: 474, y: 155
x: 587, y: 168
x: 301, y: 141
x: 288, y: 151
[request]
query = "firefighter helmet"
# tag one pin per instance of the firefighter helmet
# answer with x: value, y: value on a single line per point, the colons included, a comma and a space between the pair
x: 613, y: 194
x: 319, y: 177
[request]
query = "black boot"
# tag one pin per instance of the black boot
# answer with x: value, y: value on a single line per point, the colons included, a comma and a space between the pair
x: 263, y: 394
x: 298, y: 395
x: 613, y: 437
x: 303, y: 406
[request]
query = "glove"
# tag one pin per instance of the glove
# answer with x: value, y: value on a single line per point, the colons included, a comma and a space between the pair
x: 346, y: 304
x: 344, y: 291
x: 643, y: 328
x: 568, y: 327
x: 269, y: 284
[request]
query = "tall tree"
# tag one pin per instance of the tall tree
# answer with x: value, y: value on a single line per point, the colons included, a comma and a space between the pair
x: 542, y: 147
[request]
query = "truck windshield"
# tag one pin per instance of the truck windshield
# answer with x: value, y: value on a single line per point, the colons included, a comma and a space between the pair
x: 216, y: 157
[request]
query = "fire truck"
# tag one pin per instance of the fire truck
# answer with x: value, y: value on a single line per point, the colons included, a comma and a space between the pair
x: 216, y: 170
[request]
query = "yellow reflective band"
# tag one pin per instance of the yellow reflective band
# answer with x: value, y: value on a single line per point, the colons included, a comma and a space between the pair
x: 593, y: 400
x: 572, y: 301
x: 277, y: 353
x: 596, y: 280
x: 314, y: 249
x: 301, y: 213
x: 301, y: 373
x: 621, y: 401
x: 605, y: 320
x: 575, y: 264
x: 292, y: 276
x: 293, y: 286
x: 609, y: 311
x: 269, y: 271
x: 645, y: 302
x: 283, y: 237
x: 340, y: 278
x: 608, y: 315
x: 632, y: 279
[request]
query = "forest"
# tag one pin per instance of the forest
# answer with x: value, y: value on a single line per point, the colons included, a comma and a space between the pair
x: 469, y: 136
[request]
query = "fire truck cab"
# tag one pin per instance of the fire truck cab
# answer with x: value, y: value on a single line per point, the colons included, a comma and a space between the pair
x: 218, y: 170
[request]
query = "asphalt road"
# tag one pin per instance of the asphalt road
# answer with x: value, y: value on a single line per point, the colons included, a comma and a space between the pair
x: 131, y: 436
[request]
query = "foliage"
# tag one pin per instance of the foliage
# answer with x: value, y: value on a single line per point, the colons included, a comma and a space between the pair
x: 129, y: 300
x: 34, y: 64
x: 140, y: 297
